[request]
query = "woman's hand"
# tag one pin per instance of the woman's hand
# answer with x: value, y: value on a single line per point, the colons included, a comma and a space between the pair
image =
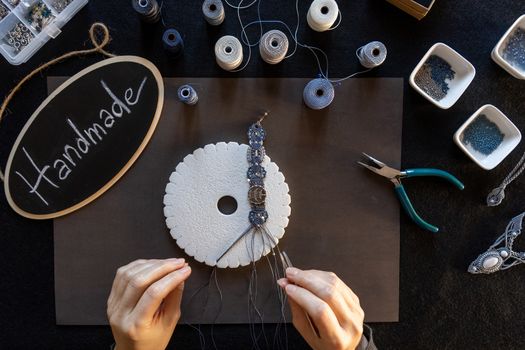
x: 144, y: 304
x: 332, y: 307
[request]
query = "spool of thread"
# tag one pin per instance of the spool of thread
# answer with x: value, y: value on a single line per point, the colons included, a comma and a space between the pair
x: 187, y: 95
x: 372, y: 54
x: 322, y: 15
x: 273, y: 46
x: 228, y: 52
x: 318, y: 93
x: 213, y: 11
x: 172, y: 42
x: 148, y: 10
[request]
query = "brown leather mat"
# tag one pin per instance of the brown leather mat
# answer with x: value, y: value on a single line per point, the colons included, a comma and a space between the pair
x: 344, y: 219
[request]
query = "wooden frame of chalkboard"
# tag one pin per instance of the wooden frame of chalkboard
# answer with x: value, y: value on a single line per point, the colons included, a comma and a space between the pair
x: 144, y: 141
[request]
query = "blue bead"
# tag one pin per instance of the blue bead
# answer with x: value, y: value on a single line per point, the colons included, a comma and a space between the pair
x: 483, y: 135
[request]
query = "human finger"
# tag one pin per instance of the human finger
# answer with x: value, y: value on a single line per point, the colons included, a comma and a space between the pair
x: 318, y: 310
x: 140, y: 280
x: 328, y: 288
x: 119, y: 283
x: 350, y: 296
x: 152, y: 298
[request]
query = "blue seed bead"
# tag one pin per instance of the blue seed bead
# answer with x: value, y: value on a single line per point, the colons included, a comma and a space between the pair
x: 483, y: 135
x: 514, y: 52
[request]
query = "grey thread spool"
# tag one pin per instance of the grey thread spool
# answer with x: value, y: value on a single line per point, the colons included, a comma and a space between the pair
x: 172, y: 42
x: 372, y: 54
x: 187, y: 95
x: 148, y: 10
x: 273, y: 46
x: 228, y: 52
x: 213, y: 11
x: 318, y: 93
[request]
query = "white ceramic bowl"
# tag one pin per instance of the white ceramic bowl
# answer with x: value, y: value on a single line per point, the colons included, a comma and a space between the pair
x: 465, y: 73
x: 511, y: 139
x: 497, y: 52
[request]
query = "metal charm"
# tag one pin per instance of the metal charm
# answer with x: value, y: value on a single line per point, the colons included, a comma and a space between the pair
x: 257, y: 195
x: 19, y: 37
x: 40, y: 16
x: 500, y: 255
x: 60, y: 5
x: 4, y: 11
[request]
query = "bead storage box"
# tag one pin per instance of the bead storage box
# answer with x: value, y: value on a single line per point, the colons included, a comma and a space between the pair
x: 488, y: 137
x: 442, y: 76
x: 26, y: 25
x: 509, y: 52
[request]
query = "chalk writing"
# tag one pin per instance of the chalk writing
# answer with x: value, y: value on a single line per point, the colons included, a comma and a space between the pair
x: 84, y: 139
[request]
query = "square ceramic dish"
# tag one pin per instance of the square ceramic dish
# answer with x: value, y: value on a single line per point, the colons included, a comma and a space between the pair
x: 498, y: 51
x: 464, y: 74
x: 494, y: 118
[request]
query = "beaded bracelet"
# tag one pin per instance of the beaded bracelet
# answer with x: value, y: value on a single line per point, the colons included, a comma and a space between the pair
x: 256, y: 174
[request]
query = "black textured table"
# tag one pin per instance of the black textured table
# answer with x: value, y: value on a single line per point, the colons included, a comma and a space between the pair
x: 441, y: 306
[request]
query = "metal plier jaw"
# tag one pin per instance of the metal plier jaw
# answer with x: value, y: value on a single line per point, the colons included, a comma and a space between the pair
x: 395, y: 176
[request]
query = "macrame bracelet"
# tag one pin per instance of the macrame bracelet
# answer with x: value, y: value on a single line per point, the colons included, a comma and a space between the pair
x: 256, y: 174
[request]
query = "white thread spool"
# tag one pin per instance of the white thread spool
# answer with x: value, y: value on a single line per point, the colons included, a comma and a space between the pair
x: 322, y: 15
x: 372, y: 54
x: 273, y: 46
x: 228, y: 52
x: 213, y: 11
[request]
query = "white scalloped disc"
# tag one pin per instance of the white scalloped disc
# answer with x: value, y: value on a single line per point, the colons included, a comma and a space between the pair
x: 192, y: 214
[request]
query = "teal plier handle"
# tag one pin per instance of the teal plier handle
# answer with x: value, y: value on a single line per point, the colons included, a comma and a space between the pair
x: 405, y: 201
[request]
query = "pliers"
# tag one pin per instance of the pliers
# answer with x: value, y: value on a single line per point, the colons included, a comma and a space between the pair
x: 395, y: 176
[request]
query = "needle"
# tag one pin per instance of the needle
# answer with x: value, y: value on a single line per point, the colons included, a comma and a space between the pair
x: 235, y: 242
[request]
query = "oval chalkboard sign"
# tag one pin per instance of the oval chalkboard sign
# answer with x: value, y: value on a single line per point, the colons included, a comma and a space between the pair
x: 84, y: 137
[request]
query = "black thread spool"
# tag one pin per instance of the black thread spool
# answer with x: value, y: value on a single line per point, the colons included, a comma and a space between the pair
x: 148, y: 10
x: 172, y: 42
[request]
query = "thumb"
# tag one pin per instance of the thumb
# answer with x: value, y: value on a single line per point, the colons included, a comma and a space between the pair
x: 300, y: 321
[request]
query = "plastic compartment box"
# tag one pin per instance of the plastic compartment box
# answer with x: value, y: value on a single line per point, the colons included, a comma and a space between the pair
x: 31, y: 23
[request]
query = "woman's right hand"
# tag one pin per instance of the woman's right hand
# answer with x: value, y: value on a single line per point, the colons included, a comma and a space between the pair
x: 331, y: 306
